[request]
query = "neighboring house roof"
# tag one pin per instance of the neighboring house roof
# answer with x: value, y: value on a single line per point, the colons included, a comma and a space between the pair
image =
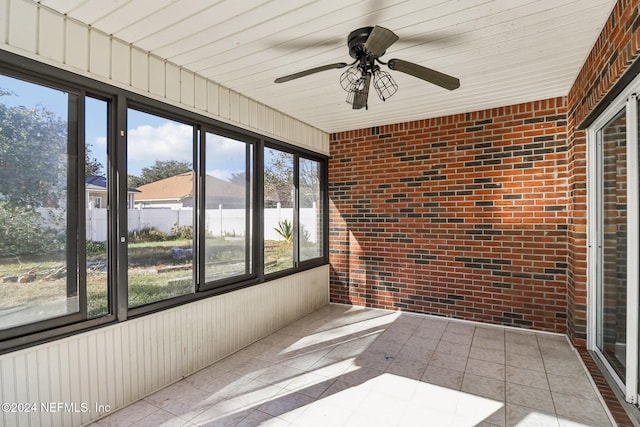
x: 180, y: 187
x: 97, y: 183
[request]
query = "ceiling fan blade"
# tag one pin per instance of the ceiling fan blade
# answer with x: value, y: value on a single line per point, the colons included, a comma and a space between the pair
x: 379, y: 40
x: 310, y: 71
x: 361, y: 95
x: 424, y: 73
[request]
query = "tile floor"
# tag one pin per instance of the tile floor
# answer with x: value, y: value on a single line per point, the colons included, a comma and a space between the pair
x: 348, y: 366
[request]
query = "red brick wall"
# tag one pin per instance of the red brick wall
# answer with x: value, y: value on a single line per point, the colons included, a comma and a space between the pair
x: 613, y: 53
x: 462, y: 216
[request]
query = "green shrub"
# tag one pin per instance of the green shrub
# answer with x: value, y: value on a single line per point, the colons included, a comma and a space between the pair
x: 96, y: 248
x: 147, y: 234
x: 182, y: 231
x: 285, y: 230
x: 23, y: 232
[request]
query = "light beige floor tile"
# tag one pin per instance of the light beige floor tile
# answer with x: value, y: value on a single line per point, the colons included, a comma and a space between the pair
x: 443, y: 377
x: 251, y: 368
x: 331, y: 368
x: 495, y: 356
x: 374, y: 360
x: 419, y: 415
x: 310, y: 384
x: 577, y: 387
x: 221, y: 415
x: 436, y: 397
x: 485, y: 387
x: 161, y: 418
x: 407, y: 368
x: 359, y: 375
x: 486, y: 369
x: 488, y: 343
x: 520, y: 416
x: 492, y: 333
x: 457, y: 349
x: 448, y: 361
x: 530, y: 397
x: 352, y: 366
x: 566, y: 366
x: 457, y: 338
x: 287, y: 405
x: 394, y: 386
x: 262, y: 419
x: 417, y: 354
x: 525, y: 361
x: 321, y: 414
x: 431, y: 328
x: 128, y: 415
x: 278, y: 374
x: 527, y: 377
x: 461, y: 328
x: 386, y: 346
x: 345, y: 394
x: 381, y: 407
x: 579, y: 409
x: 475, y: 410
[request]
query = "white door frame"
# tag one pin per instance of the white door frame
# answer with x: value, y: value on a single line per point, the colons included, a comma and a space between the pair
x: 627, y: 101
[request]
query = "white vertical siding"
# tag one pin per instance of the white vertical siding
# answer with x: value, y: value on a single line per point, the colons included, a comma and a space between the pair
x: 23, y: 25
x: 120, y: 364
x: 51, y: 35
x: 39, y: 33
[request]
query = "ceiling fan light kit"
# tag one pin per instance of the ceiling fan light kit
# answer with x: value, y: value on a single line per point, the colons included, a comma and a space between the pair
x: 366, y: 46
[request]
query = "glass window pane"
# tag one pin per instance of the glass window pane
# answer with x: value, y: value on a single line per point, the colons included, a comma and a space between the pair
x: 228, y: 208
x: 278, y: 210
x: 160, y: 216
x: 36, y: 267
x: 96, y: 197
x: 612, y: 304
x: 310, y: 209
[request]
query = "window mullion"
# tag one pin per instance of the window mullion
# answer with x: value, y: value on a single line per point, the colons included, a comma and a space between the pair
x: 296, y: 211
x: 632, y: 251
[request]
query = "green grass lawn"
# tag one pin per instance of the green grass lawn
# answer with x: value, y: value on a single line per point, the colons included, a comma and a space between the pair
x: 153, y: 273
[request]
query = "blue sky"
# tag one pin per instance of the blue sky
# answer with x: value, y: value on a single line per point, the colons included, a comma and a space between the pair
x: 150, y: 137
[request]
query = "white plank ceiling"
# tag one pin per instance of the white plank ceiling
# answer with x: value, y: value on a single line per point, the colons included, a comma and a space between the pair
x: 503, y: 51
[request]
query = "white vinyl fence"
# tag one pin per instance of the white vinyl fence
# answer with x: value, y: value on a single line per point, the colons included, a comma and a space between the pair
x: 218, y: 222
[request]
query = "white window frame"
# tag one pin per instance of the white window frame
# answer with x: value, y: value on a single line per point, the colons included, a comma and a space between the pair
x: 627, y: 101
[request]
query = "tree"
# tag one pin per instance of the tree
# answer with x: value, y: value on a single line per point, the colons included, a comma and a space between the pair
x: 278, y: 178
x: 161, y: 169
x: 33, y: 174
x: 92, y: 167
x: 33, y: 160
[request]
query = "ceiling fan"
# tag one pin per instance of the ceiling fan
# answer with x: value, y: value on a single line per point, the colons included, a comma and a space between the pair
x: 366, y: 46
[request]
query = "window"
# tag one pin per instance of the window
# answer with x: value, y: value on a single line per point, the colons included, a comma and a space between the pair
x: 206, y: 208
x: 279, y: 196
x: 97, y: 216
x: 311, y: 208
x: 614, y: 240
x: 37, y: 224
x: 161, y: 180
x: 228, y: 207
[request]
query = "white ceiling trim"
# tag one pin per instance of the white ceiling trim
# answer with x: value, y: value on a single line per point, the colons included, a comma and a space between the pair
x: 503, y: 51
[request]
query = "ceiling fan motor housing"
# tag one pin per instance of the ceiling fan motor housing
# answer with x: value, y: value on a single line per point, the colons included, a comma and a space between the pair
x: 357, y: 40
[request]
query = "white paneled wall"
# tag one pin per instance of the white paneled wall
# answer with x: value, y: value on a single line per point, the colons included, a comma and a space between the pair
x: 119, y: 364
x: 36, y: 32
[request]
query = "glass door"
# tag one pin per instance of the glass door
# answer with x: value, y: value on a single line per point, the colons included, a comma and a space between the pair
x: 612, y: 245
x: 613, y: 242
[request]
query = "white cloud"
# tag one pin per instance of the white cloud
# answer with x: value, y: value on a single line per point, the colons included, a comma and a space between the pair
x: 224, y: 174
x: 100, y: 141
x: 169, y: 141
x: 219, y: 147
